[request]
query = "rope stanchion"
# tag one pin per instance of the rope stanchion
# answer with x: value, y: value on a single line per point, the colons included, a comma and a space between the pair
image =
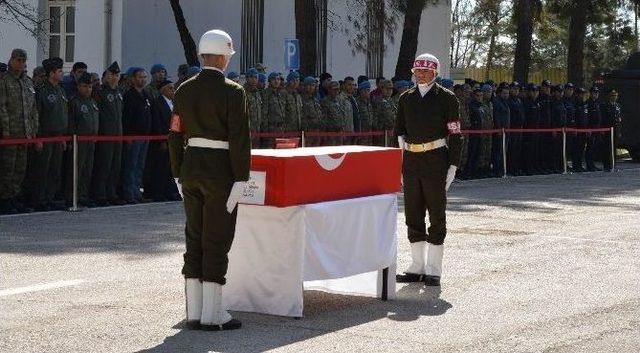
x: 613, y: 150
x: 504, y: 153
x: 31, y: 141
x: 74, y: 206
x: 564, y: 150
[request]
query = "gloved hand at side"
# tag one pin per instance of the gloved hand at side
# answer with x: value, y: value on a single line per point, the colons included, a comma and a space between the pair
x: 236, y: 192
x: 451, y: 174
x: 179, y: 186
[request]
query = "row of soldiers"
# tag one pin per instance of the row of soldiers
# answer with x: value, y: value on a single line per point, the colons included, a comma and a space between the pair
x: 506, y: 105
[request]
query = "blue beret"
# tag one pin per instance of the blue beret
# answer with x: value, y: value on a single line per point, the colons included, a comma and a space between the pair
x: 262, y: 78
x: 274, y: 75
x: 486, y: 88
x: 252, y: 72
x: 364, y: 85
x: 293, y: 75
x: 192, y: 70
x: 157, y: 68
x: 403, y: 84
x: 232, y: 74
x: 447, y: 83
x: 309, y: 80
x: 131, y: 70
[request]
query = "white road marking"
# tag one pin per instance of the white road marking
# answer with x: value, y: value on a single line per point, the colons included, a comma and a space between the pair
x: 39, y: 287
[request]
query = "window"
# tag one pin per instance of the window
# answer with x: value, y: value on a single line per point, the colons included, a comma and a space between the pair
x: 62, y: 28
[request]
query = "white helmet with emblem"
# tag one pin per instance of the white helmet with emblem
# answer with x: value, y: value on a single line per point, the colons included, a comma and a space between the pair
x: 426, y: 61
x: 216, y: 42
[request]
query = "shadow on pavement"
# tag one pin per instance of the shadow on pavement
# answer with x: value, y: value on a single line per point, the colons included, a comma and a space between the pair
x: 324, y: 313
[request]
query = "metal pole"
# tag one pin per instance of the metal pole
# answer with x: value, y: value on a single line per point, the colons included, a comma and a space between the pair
x: 303, y: 139
x: 74, y: 207
x: 386, y: 139
x: 613, y: 151
x: 504, y: 153
x: 564, y: 151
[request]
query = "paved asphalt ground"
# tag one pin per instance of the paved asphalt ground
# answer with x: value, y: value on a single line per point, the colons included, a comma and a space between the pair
x: 532, y: 264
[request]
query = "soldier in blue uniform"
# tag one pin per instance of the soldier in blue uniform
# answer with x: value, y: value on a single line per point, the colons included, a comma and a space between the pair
x: 611, y: 117
x: 594, y: 140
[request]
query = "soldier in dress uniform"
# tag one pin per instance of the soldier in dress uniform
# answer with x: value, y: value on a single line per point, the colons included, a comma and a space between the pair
x: 611, y: 117
x: 514, y: 156
x: 594, y: 139
x: 581, y: 121
x: 210, y: 150
x: 108, y: 157
x: 83, y: 120
x: 545, y: 150
x: 477, y: 114
x: 427, y: 116
x: 254, y: 104
x: 558, y: 120
x: 312, y: 115
x: 484, y: 163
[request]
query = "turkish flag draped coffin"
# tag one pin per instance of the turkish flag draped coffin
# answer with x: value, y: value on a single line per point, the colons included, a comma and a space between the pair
x: 289, y: 177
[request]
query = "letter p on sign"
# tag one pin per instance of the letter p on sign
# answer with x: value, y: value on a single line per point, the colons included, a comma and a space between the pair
x: 291, y: 54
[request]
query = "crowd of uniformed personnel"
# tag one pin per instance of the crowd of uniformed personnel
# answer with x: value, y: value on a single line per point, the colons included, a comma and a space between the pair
x: 139, y: 102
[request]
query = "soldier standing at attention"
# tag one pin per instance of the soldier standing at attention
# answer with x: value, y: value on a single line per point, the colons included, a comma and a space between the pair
x: 335, y: 112
x: 213, y: 169
x: 611, y: 117
x: 53, y: 121
x: 385, y: 109
x: 83, y: 120
x: 273, y: 106
x: 427, y: 116
x: 158, y: 74
x: 108, y: 154
x: 18, y: 119
x: 594, y: 139
x: 365, y: 111
x: 254, y: 104
x: 312, y: 116
x: 293, y: 108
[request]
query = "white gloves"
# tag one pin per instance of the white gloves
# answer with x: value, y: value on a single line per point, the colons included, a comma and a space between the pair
x: 236, y: 193
x: 179, y: 187
x: 451, y: 174
x: 401, y: 142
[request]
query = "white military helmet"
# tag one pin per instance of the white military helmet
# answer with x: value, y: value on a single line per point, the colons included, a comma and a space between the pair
x: 426, y: 61
x: 216, y: 42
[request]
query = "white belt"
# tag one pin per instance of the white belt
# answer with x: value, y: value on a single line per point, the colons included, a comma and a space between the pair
x: 424, y: 147
x: 206, y: 143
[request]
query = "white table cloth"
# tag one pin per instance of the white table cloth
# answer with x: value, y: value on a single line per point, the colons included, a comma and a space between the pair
x: 339, y: 247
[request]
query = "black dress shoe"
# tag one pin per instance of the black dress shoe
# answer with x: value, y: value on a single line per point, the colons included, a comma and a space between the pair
x: 193, y: 324
x: 432, y: 281
x: 232, y: 324
x: 409, y: 278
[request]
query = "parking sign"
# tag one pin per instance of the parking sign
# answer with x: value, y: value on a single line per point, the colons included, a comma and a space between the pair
x: 291, y: 54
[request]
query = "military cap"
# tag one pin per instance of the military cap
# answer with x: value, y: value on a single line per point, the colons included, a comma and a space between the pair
x: 130, y: 71
x: 232, y: 74
x: 52, y: 64
x: 157, y: 68
x: 292, y: 76
x: 364, y: 85
x: 252, y: 72
x: 403, y: 84
x: 545, y: 83
x: 85, y: 78
x: 557, y: 88
x: 490, y: 83
x: 182, y: 69
x: 477, y: 90
x: 114, y: 68
x: 595, y: 89
x: 193, y: 70
x: 324, y: 76
x: 581, y: 90
x: 38, y: 70
x: 18, y: 54
x: 262, y: 78
x: 164, y: 83
x: 362, y: 78
x: 79, y: 65
x: 3, y: 67
x: 386, y: 84
x: 446, y: 83
x: 309, y: 80
x: 486, y: 88
x: 569, y: 85
x: 515, y: 84
x: 261, y: 67
x: 613, y: 91
x: 532, y: 87
x: 274, y: 75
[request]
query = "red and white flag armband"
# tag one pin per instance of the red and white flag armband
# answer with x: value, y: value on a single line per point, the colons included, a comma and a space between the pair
x: 453, y: 127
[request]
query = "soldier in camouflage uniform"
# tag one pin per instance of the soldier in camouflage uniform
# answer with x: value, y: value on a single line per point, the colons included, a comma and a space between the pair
x: 18, y: 119
x: 293, y: 109
x: 158, y: 74
x: 465, y: 123
x: 365, y: 112
x: 401, y: 86
x: 312, y: 115
x: 274, y: 107
x: 108, y: 158
x: 83, y: 120
x: 254, y: 104
x: 484, y: 163
x: 385, y: 111
x: 53, y: 121
x: 336, y: 111
x: 39, y: 76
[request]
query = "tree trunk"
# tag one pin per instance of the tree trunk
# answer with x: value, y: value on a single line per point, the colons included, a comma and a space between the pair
x: 577, y: 33
x: 305, y: 13
x: 190, y: 50
x: 495, y: 31
x: 524, y: 16
x: 409, y: 43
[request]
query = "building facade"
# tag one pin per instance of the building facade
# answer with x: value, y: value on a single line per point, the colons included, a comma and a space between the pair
x: 143, y: 32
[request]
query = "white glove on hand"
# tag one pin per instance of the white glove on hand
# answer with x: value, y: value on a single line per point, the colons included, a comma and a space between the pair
x: 179, y: 187
x: 401, y: 142
x: 236, y: 192
x: 451, y: 174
